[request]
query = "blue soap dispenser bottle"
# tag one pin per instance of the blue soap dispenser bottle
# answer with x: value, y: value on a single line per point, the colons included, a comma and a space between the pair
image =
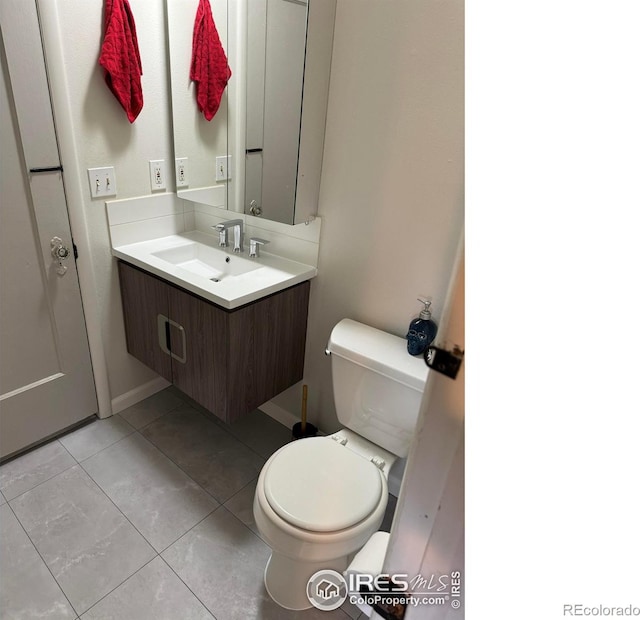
x: 422, y: 330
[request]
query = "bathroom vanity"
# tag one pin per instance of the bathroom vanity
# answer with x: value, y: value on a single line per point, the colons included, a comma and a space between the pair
x: 228, y: 329
x: 229, y: 360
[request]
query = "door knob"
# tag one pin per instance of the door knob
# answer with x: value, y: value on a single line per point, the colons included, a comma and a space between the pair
x: 60, y: 253
x: 255, y: 209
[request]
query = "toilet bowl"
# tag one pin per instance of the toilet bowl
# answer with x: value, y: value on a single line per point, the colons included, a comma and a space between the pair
x: 318, y: 500
x: 317, y: 518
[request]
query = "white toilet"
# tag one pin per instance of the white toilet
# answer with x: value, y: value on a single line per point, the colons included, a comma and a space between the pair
x: 318, y: 500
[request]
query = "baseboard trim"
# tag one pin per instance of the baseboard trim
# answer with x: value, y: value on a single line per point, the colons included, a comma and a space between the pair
x: 122, y: 402
x: 279, y: 414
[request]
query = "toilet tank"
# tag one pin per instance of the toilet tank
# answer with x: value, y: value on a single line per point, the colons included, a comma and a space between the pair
x: 377, y: 385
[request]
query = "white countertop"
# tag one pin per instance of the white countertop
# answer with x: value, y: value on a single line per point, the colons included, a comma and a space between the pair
x: 273, y: 273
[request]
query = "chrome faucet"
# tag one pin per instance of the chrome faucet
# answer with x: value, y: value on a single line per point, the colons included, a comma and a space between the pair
x: 238, y: 234
x: 254, y: 246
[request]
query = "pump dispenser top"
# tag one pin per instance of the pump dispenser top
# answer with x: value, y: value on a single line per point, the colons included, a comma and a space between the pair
x: 425, y: 313
x: 422, y: 330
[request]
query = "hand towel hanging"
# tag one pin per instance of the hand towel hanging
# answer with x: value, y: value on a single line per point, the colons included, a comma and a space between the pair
x: 209, y: 68
x: 120, y: 57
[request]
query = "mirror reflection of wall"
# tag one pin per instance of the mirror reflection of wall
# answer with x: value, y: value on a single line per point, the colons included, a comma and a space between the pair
x: 276, y: 44
x: 196, y: 139
x: 271, y: 120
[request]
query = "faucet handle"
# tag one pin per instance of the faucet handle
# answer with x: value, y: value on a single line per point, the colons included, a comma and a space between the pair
x: 254, y: 246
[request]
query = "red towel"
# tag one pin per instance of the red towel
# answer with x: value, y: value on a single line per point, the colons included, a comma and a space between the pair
x: 120, y: 56
x: 209, y: 68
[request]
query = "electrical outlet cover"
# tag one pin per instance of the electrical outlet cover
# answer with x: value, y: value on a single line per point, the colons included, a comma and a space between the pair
x: 182, y: 172
x: 157, y: 174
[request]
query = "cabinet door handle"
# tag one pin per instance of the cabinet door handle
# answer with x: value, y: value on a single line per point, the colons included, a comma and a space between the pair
x: 183, y: 359
x: 165, y: 340
x: 163, y: 333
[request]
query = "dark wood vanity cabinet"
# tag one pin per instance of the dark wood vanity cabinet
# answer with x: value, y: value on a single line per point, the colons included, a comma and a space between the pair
x: 229, y: 361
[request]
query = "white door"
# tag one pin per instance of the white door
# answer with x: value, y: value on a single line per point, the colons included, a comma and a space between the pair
x: 427, y: 537
x: 46, y: 380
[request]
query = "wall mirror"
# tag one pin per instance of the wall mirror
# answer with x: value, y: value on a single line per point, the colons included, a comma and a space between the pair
x: 270, y: 124
x: 196, y: 141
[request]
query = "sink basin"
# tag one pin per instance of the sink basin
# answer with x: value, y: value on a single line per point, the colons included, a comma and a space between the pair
x: 205, y: 261
x: 193, y: 261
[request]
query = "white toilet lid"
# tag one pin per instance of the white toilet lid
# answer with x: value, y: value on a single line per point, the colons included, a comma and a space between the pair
x: 318, y: 485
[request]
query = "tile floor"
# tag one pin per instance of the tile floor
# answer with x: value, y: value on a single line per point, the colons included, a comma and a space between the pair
x: 144, y: 515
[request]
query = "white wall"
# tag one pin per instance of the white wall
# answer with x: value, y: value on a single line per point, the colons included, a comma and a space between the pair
x: 103, y: 136
x: 392, y: 180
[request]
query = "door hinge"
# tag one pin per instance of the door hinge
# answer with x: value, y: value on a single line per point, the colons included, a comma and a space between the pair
x: 445, y: 362
x: 75, y: 249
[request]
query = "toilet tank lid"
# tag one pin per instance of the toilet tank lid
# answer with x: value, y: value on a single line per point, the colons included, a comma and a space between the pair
x: 378, y: 351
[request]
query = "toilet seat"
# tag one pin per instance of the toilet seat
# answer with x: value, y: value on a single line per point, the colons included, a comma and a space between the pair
x: 318, y: 485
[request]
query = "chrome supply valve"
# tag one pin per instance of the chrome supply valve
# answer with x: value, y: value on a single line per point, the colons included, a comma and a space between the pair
x: 254, y: 246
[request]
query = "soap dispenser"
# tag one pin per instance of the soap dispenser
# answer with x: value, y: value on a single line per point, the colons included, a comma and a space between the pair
x: 422, y: 331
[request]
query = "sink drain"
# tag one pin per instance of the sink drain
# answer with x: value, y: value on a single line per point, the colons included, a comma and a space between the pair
x: 215, y: 279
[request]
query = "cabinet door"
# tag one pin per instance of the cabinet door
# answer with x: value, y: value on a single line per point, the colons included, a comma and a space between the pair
x: 230, y: 362
x: 200, y: 347
x: 266, y: 354
x: 143, y: 299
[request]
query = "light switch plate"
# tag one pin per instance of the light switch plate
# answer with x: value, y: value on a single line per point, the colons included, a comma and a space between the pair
x: 223, y: 168
x: 102, y: 182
